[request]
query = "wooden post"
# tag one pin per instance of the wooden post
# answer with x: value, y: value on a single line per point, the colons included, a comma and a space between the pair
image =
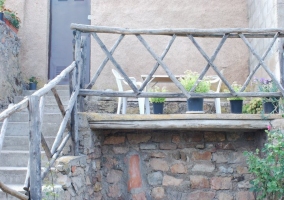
x: 82, y: 71
x: 35, y: 152
x: 74, y: 122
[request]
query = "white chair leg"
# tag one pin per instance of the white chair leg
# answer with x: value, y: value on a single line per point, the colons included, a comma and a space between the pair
x: 124, y: 105
x: 118, y: 105
x: 218, y: 105
x: 147, y: 105
x: 141, y: 103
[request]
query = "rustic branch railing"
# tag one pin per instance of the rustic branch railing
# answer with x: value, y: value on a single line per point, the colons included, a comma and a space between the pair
x: 225, y: 34
x: 35, y: 105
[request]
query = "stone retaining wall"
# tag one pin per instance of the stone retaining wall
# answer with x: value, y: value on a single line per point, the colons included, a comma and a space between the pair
x: 10, y: 78
x: 167, y: 164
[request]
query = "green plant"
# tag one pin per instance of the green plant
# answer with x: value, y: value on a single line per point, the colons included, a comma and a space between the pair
x: 236, y: 87
x: 190, y: 79
x: 2, y: 2
x: 33, y: 80
x: 12, y: 17
x: 158, y: 99
x: 268, y: 169
x: 253, y: 107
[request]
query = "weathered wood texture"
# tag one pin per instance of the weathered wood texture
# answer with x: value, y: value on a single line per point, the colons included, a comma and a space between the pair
x: 35, y: 152
x: 13, y: 192
x: 17, y: 107
x: 58, y: 101
x: 3, y: 130
x: 86, y: 92
x: 181, y: 31
x: 180, y: 121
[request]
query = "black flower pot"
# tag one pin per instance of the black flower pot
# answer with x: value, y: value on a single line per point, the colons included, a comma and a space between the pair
x: 195, y: 105
x: 32, y: 86
x: 270, y: 107
x: 158, y: 108
x: 236, y: 106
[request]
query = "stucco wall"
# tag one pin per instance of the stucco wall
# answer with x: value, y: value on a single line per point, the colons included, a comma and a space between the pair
x: 34, y: 35
x: 265, y: 14
x: 135, y: 59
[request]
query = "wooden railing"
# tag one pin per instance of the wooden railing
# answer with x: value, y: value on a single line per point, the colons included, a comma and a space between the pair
x: 75, y: 71
x: 35, y: 105
x: 224, y: 34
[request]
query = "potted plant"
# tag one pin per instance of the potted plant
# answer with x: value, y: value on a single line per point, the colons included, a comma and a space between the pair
x: 32, y: 83
x: 158, y: 102
x: 12, y: 20
x: 2, y: 2
x: 236, y: 103
x: 253, y: 107
x: 188, y: 81
x: 270, y: 104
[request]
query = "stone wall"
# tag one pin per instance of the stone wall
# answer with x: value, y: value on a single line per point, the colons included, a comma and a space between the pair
x: 172, y: 164
x: 167, y: 164
x: 10, y: 78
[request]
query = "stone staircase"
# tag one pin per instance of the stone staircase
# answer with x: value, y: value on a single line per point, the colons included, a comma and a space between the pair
x: 15, y: 152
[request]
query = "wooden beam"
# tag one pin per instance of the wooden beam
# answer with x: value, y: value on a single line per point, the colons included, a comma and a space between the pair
x: 13, y: 192
x: 58, y: 101
x: 15, y: 108
x: 218, y: 32
x: 35, y: 152
x: 3, y: 130
x: 103, y: 93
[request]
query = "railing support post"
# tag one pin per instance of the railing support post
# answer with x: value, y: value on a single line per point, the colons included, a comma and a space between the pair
x: 35, y: 152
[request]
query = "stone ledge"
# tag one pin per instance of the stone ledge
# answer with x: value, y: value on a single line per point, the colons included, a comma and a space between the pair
x: 182, y: 121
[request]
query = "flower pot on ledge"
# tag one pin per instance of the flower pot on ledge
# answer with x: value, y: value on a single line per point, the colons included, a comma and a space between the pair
x: 10, y: 26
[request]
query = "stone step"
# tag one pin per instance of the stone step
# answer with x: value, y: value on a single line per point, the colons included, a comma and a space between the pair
x: 48, y: 99
x: 13, y: 175
x: 17, y: 158
x: 60, y: 93
x: 21, y: 143
x: 22, y: 129
x: 17, y: 187
x: 47, y: 117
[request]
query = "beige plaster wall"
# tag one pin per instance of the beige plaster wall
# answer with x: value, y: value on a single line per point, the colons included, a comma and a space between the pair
x: 34, y: 35
x: 135, y: 59
x: 266, y: 14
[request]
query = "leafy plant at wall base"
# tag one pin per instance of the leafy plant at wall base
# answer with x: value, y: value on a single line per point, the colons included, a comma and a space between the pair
x: 33, y: 80
x: 253, y: 107
x: 189, y: 80
x: 268, y: 170
x: 158, y: 99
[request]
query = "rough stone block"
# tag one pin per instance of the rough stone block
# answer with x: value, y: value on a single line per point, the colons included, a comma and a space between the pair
x: 134, y: 180
x: 194, y: 137
x: 159, y: 164
x: 114, y: 140
x: 221, y: 183
x: 168, y: 146
x: 203, y: 167
x: 244, y: 184
x: 114, y: 176
x: 242, y: 170
x: 158, y: 193
x: 201, y: 155
x: 225, y: 196
x: 148, y: 146
x: 158, y: 155
x: 197, y: 182
x: 139, y: 196
x: 171, y: 181
x: 233, y: 136
x: 97, y: 187
x: 225, y: 170
x: 114, y: 191
x: 155, y: 178
x: 138, y: 138
x: 176, y: 139
x: 237, y: 157
x: 120, y: 150
x: 178, y: 168
x: 201, y: 195
x: 214, y: 137
x: 244, y: 195
x: 220, y: 157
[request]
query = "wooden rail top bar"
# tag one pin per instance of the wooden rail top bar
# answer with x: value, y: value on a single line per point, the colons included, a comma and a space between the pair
x: 181, y: 121
x: 248, y: 32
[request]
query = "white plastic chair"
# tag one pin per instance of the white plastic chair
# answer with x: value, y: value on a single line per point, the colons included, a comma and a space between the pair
x: 216, y: 79
x: 123, y: 100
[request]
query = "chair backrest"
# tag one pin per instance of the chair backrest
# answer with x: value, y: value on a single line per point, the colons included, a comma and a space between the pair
x: 216, y: 79
x: 118, y: 80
